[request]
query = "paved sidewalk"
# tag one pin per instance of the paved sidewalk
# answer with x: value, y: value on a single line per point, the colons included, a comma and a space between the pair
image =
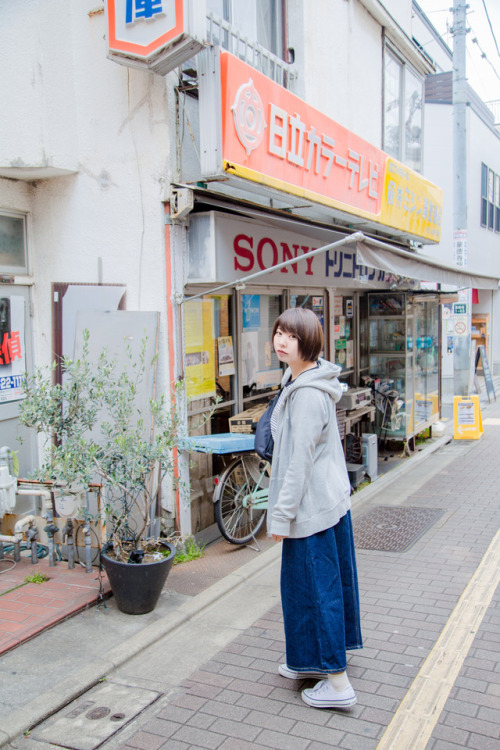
x: 210, y: 660
x: 237, y: 701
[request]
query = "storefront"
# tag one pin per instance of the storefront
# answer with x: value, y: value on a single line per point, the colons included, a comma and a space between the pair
x: 242, y: 264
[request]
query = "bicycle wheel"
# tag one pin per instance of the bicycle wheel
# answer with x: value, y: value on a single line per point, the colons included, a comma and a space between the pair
x: 236, y: 517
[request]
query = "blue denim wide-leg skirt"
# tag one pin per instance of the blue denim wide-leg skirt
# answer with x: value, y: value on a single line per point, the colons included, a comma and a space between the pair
x: 320, y: 599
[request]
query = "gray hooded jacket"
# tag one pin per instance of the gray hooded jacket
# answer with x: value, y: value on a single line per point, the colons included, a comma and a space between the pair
x: 309, y: 490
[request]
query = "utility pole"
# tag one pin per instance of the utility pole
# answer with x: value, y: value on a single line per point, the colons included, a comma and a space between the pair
x: 462, y: 316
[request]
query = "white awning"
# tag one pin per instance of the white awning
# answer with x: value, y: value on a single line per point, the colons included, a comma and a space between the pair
x: 386, y: 257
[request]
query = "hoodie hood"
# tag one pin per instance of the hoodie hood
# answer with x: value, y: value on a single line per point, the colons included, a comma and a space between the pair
x: 324, y: 377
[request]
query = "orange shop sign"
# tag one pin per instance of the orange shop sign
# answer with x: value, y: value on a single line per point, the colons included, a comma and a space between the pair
x: 155, y: 34
x: 272, y: 137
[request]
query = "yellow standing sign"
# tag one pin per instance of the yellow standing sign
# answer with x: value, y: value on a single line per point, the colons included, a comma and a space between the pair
x: 467, y: 418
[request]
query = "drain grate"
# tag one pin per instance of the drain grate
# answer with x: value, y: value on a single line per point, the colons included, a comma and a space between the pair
x: 95, y: 716
x: 393, y: 529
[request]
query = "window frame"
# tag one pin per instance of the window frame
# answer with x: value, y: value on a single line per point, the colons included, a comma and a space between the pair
x: 16, y: 269
x: 405, y: 67
x: 484, y: 195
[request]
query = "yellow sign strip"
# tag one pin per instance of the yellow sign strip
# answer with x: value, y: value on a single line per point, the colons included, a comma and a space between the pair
x: 412, y: 724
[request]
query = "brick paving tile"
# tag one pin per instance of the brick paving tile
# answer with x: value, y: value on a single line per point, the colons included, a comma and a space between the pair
x: 225, y: 711
x: 176, y: 713
x: 162, y: 727
x: 266, y: 705
x: 443, y: 745
x: 278, y: 741
x: 11, y: 615
x: 326, y: 735
x: 190, y: 701
x: 252, y: 688
x: 228, y: 697
x: 251, y: 674
x: 268, y: 721
x: 145, y: 741
x: 208, y: 678
x: 10, y: 627
x: 352, y: 724
x: 201, y: 738
x: 458, y: 736
x: 477, y: 699
x: 232, y: 744
x: 269, y: 625
x: 491, y: 714
x: 357, y: 742
x: 201, y: 721
x: 486, y: 728
x: 205, y: 691
x: 235, y: 660
x: 239, y: 730
x: 480, y: 742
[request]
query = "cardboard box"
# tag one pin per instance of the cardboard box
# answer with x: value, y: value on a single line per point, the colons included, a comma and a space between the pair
x: 246, y: 421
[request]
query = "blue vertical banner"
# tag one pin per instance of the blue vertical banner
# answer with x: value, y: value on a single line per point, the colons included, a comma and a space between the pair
x: 250, y: 304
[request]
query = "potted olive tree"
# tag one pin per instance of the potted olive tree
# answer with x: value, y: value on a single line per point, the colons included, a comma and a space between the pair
x: 97, y: 431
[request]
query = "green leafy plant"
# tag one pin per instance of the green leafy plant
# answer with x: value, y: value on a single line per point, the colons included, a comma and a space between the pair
x: 190, y: 550
x: 98, y: 431
x: 36, y: 578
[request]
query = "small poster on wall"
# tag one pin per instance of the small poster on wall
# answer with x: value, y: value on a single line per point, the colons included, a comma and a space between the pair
x: 199, y: 348
x: 225, y: 355
x: 12, y: 349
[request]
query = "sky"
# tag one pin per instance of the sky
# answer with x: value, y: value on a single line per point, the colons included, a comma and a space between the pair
x: 483, y: 73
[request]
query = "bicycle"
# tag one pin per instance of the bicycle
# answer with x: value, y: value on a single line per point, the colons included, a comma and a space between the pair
x: 241, y: 490
x: 240, y: 498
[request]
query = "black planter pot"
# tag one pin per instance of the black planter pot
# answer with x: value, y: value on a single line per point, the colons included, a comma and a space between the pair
x: 137, y: 588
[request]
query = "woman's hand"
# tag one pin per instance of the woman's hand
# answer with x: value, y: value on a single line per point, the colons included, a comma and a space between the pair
x: 278, y: 538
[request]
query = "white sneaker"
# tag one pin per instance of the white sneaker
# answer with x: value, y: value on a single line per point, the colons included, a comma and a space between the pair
x: 287, y: 672
x: 322, y: 695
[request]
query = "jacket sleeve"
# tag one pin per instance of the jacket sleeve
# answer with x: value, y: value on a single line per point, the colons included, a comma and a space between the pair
x: 308, y: 417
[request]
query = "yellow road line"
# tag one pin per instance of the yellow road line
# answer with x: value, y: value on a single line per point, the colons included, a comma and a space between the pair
x: 412, y: 724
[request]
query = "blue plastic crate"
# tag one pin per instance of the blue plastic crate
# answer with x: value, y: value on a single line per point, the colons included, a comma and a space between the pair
x: 225, y: 442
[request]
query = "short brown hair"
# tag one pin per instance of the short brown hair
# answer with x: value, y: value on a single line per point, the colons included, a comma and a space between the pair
x: 305, y: 325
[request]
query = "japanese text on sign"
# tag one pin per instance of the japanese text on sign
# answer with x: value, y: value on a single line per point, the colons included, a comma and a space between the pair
x: 142, y: 9
x: 274, y: 138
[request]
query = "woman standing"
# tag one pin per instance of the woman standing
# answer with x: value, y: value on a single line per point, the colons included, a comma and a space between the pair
x: 309, y: 510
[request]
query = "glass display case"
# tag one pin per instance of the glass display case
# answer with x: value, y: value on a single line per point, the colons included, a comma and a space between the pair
x: 403, y: 331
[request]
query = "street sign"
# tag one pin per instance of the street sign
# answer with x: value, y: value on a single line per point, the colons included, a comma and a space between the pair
x: 468, y: 424
x: 481, y: 354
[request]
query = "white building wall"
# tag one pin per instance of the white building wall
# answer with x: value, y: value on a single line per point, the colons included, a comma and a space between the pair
x: 109, y: 214
x: 340, y: 64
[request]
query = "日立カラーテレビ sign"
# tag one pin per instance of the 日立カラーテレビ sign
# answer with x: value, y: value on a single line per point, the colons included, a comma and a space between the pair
x: 157, y: 34
x: 273, y: 138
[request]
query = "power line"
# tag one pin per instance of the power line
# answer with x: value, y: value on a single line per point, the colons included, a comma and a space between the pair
x: 484, y: 56
x: 491, y: 27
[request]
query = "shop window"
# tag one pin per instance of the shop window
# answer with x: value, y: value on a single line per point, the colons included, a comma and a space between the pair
x: 261, y: 369
x: 258, y: 21
x: 343, y: 311
x: 316, y: 303
x: 403, y: 96
x: 13, y: 257
x: 484, y: 195
x: 208, y: 351
x: 497, y: 203
x: 491, y: 198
